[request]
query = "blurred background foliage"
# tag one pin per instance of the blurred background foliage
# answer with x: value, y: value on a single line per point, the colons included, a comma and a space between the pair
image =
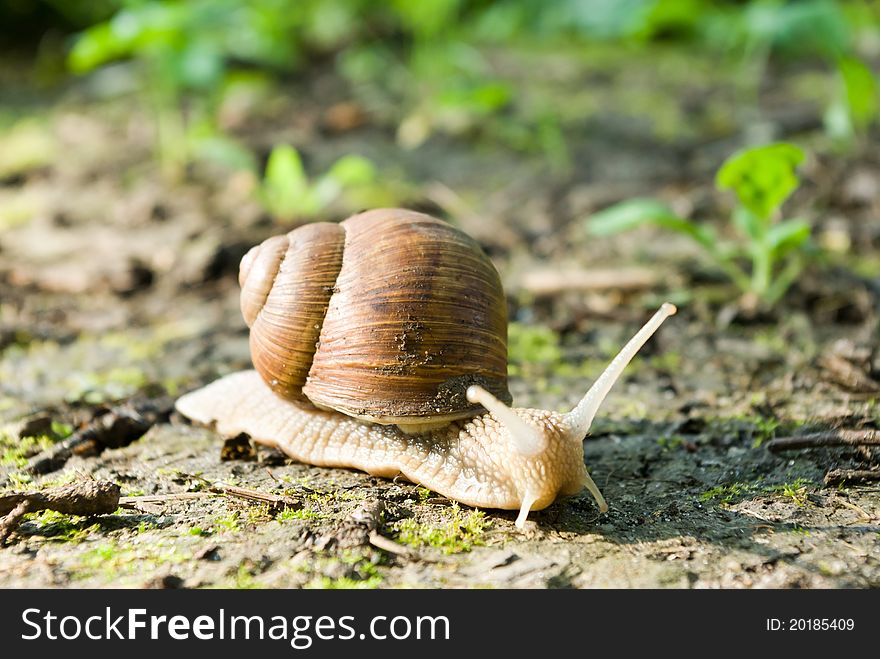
x: 436, y: 67
x: 428, y: 66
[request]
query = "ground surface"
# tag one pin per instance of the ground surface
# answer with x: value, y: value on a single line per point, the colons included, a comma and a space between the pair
x: 117, y: 282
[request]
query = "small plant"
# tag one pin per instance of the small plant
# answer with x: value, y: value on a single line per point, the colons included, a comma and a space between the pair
x: 777, y: 250
x: 765, y: 430
x: 287, y: 193
x: 795, y: 490
x: 726, y: 493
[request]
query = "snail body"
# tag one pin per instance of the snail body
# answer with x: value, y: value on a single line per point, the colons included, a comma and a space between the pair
x: 393, y: 378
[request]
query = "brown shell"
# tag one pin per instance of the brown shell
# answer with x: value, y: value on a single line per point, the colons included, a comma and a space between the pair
x: 415, y: 313
x: 286, y: 285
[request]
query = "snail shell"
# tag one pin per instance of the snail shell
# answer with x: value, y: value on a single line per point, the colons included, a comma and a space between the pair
x: 387, y: 317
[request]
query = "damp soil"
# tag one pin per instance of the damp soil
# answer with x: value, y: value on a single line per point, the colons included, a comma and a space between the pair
x: 120, y: 286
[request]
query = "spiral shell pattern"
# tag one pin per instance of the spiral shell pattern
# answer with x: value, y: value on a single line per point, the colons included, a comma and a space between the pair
x: 388, y: 317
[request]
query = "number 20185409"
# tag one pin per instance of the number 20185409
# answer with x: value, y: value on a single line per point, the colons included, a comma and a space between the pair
x: 810, y: 624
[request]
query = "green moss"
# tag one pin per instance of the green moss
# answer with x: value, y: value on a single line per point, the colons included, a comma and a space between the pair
x: 532, y: 344
x: 757, y: 427
x: 15, y: 452
x: 345, y: 583
x: 112, y: 384
x: 289, y: 514
x: 325, y: 498
x: 670, y: 442
x: 17, y: 481
x: 536, y: 351
x: 244, y: 578
x: 795, y: 490
x: 259, y: 514
x: 460, y: 533
x: 145, y: 346
x: 61, y: 430
x: 230, y: 523
x: 143, y: 527
x: 362, y: 573
x: 726, y: 493
x: 60, y: 527
x: 63, y: 478
x: 764, y: 431
x: 114, y: 559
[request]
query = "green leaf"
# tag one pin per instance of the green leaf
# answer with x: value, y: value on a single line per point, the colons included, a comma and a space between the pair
x: 787, y: 236
x: 94, y: 47
x: 353, y: 170
x: 628, y: 215
x: 762, y: 177
x: 285, y: 185
x: 641, y: 212
x: 347, y: 172
x: 861, y: 90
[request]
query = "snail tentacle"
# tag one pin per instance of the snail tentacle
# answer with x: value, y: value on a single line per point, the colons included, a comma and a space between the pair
x: 527, y: 503
x: 527, y: 439
x: 581, y: 417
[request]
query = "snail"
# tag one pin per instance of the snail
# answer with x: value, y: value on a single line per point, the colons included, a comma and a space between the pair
x: 380, y: 343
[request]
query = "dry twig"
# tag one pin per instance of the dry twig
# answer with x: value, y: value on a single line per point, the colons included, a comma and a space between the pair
x: 838, y: 476
x: 833, y: 438
x: 276, y: 502
x: 80, y: 498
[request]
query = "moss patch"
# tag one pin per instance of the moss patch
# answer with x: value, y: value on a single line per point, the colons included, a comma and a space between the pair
x: 460, y: 533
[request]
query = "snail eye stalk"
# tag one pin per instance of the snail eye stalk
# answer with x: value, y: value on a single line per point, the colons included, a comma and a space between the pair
x: 527, y: 440
x: 581, y: 417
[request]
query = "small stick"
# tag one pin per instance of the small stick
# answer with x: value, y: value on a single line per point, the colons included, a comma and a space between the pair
x: 838, y: 476
x: 79, y: 498
x: 275, y: 501
x: 145, y: 503
x: 379, y: 541
x: 555, y: 281
x: 833, y: 438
